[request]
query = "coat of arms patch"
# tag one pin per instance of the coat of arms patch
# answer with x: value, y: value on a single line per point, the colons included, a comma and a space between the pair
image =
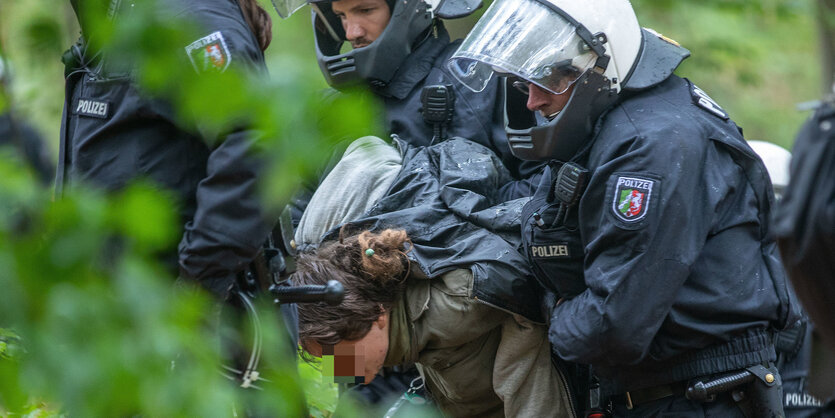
x: 209, y: 53
x: 632, y: 198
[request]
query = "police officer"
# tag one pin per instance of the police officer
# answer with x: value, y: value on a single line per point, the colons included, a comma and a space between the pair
x: 805, y: 221
x: 398, y: 50
x: 20, y: 135
x: 651, y: 224
x: 794, y: 344
x: 804, y: 229
x: 113, y: 133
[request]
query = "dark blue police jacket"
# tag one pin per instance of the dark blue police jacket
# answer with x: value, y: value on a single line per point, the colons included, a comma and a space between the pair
x: 447, y: 198
x: 668, y: 266
x: 112, y: 133
x: 478, y: 116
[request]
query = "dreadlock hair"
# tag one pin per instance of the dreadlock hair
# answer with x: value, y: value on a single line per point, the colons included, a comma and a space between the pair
x: 373, y: 281
x: 259, y: 22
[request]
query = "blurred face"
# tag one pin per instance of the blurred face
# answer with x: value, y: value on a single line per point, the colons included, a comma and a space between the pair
x: 363, y: 20
x: 545, y: 102
x: 360, y: 358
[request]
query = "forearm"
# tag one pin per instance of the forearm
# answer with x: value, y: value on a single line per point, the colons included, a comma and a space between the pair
x: 229, y: 224
x: 612, y: 323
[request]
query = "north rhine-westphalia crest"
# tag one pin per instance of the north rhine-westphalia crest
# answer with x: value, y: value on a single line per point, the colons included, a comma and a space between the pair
x: 209, y: 53
x: 632, y: 198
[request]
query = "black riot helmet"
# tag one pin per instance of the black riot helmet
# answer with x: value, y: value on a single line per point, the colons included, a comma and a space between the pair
x: 595, y: 46
x: 376, y: 63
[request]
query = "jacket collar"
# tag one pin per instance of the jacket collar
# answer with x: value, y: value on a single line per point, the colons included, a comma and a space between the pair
x: 399, y: 351
x: 404, y: 343
x: 417, y: 65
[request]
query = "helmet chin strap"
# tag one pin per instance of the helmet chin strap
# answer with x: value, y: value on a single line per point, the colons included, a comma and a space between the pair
x: 325, y: 22
x: 568, y: 130
x: 553, y: 116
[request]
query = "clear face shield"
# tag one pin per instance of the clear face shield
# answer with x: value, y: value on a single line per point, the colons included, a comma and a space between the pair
x: 285, y: 8
x: 526, y: 39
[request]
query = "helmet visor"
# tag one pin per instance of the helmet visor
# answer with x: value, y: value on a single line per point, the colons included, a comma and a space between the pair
x: 285, y: 8
x: 524, y: 38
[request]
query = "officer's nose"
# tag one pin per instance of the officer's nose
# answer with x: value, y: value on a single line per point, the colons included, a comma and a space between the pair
x: 353, y: 30
x: 538, y: 98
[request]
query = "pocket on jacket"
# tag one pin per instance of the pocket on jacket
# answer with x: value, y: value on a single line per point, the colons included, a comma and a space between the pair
x: 557, y: 256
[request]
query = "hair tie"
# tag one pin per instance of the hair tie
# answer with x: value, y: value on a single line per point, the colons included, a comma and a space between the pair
x: 369, y: 252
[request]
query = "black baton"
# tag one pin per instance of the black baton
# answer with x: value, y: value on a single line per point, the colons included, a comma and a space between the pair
x: 331, y: 293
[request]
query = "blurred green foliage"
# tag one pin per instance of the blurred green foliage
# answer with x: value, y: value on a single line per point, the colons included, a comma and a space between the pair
x: 92, y: 325
x: 321, y: 394
x: 758, y: 59
x: 98, y: 327
x: 89, y: 323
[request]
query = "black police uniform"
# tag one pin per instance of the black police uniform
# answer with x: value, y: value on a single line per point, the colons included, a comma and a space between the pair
x: 805, y: 219
x: 23, y: 137
x: 478, y: 116
x: 805, y: 229
x: 112, y: 133
x: 666, y: 267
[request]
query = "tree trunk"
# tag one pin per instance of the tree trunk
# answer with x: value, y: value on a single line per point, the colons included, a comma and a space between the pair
x: 826, y: 24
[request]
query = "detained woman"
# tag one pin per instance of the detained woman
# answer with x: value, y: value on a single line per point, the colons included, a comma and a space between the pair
x: 411, y: 295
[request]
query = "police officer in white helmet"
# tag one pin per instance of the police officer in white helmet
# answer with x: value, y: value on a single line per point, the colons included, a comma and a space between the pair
x: 651, y: 226
x: 776, y: 160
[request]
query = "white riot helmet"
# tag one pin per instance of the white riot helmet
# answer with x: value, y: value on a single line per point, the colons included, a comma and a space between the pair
x: 777, y: 160
x: 595, y: 45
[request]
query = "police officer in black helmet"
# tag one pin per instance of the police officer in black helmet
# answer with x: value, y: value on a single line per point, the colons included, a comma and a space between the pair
x: 398, y: 49
x: 651, y: 225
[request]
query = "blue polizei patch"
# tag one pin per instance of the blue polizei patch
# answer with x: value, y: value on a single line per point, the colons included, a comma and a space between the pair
x: 701, y: 99
x: 92, y: 108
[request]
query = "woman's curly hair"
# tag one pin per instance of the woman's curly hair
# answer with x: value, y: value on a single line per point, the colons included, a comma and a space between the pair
x: 373, y: 281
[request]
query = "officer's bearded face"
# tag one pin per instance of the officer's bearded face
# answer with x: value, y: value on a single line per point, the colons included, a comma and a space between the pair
x: 361, y: 358
x: 545, y: 102
x: 363, y: 20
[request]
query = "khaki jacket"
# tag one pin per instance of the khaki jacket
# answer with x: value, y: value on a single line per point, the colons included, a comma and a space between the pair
x: 476, y: 360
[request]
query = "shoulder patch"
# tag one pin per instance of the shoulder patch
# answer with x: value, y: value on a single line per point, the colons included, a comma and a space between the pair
x: 92, y: 108
x: 209, y: 53
x: 632, y: 197
x: 701, y: 99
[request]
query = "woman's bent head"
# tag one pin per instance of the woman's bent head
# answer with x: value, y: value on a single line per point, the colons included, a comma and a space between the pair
x: 372, y: 268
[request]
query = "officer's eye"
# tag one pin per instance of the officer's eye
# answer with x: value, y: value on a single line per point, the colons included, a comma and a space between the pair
x: 523, y: 86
